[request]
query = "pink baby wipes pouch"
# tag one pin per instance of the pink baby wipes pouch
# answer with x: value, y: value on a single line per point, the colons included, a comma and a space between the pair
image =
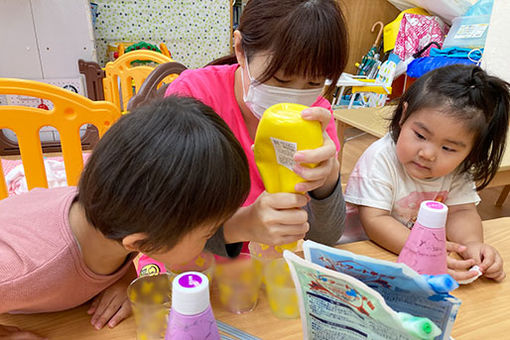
x: 148, y: 266
x: 416, y: 31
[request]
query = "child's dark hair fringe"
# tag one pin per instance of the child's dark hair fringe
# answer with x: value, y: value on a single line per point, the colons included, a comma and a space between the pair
x: 164, y: 169
x: 468, y: 93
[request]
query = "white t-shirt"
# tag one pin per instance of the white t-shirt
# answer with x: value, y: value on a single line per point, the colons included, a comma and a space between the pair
x: 380, y: 181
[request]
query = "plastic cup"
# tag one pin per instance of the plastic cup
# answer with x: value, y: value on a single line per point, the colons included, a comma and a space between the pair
x: 238, y: 282
x: 151, y: 298
x: 280, y: 289
x: 203, y: 263
x: 265, y: 252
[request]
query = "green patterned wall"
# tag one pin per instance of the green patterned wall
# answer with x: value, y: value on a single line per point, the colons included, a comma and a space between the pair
x: 195, y: 31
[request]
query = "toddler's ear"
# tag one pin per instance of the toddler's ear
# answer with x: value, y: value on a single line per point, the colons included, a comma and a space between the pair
x: 404, y: 112
x: 130, y: 242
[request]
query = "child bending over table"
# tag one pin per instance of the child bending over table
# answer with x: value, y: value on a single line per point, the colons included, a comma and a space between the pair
x: 161, y: 181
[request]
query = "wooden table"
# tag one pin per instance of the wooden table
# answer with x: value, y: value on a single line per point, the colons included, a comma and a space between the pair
x: 375, y: 121
x: 484, y: 313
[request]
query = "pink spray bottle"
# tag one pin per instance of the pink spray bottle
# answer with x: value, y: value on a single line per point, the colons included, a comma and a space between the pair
x: 191, y: 316
x: 425, y: 248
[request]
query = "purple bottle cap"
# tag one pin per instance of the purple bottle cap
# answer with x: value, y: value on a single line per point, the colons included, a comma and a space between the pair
x: 190, y: 280
x: 190, y: 293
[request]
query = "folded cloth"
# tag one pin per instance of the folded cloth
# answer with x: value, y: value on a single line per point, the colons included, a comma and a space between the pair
x: 420, y: 66
x: 15, y: 174
x: 457, y: 52
x: 478, y: 274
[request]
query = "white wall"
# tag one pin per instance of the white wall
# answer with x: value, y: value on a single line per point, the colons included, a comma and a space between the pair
x: 496, y: 57
x: 43, y: 39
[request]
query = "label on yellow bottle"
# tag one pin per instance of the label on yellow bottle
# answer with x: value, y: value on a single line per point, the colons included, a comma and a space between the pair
x: 284, y: 152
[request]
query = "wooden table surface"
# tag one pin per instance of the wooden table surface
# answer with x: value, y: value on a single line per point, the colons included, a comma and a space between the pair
x: 484, y: 312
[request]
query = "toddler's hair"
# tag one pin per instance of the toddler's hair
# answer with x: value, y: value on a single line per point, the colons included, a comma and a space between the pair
x: 469, y: 94
x: 164, y: 169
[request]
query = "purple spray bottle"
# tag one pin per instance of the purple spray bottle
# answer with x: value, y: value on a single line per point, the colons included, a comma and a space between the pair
x: 425, y: 248
x: 191, y: 316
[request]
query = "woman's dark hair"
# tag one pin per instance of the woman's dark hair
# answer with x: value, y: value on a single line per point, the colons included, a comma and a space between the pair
x: 164, y: 169
x: 304, y: 37
x: 468, y: 93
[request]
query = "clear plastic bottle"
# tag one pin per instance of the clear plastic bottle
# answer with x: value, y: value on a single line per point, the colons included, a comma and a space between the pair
x: 191, y: 316
x: 425, y: 248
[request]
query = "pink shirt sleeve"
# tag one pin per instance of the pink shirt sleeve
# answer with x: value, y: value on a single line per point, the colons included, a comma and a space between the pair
x: 180, y: 87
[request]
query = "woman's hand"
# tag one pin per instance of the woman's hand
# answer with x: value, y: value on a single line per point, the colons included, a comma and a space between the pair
x: 279, y: 218
x: 273, y: 219
x: 14, y: 333
x: 322, y: 179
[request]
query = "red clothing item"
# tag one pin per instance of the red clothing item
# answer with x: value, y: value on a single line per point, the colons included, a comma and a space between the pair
x: 41, y: 266
x: 214, y: 86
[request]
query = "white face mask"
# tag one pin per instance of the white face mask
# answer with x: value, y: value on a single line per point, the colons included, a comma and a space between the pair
x: 262, y: 96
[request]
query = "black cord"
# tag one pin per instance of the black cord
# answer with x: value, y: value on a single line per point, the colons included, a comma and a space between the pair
x: 420, y: 52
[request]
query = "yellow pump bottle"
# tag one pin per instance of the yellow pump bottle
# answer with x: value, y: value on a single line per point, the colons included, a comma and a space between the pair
x: 280, y: 134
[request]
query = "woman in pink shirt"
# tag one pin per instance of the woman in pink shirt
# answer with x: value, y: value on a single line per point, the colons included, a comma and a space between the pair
x: 284, y: 51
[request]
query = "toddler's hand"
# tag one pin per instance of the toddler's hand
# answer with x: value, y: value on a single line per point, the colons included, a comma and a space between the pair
x: 111, y: 305
x: 487, y: 258
x: 278, y: 218
x: 14, y: 333
x: 325, y: 174
x: 459, y: 269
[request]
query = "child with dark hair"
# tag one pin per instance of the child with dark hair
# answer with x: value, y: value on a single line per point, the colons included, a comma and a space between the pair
x: 161, y: 181
x: 284, y: 51
x: 448, y: 132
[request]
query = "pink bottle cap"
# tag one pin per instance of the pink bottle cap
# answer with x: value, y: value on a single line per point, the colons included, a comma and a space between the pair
x: 190, y: 293
x: 432, y: 214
